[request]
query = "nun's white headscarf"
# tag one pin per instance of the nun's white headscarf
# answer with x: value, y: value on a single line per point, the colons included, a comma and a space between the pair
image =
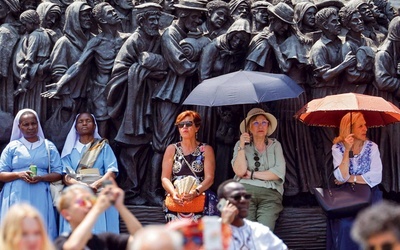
x: 16, y: 132
x: 73, y: 136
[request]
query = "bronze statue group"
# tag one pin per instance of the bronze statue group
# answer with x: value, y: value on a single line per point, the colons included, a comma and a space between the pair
x: 132, y: 64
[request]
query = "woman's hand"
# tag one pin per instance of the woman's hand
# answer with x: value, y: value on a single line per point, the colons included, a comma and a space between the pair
x: 25, y: 176
x: 247, y: 175
x: 176, y: 198
x: 337, y: 182
x: 244, y: 138
x: 349, y: 142
x: 189, y: 196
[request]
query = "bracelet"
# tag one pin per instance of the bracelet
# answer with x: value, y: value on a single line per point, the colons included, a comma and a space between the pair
x: 197, y: 191
x: 239, y: 148
x: 251, y: 175
x: 355, y: 179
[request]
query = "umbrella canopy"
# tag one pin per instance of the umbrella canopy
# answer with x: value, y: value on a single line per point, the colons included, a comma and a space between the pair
x: 243, y: 87
x: 328, y: 111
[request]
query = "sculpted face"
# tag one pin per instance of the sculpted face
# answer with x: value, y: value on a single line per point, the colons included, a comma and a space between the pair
x: 242, y: 11
x: 309, y: 17
x: 238, y: 40
x: 125, y: 4
x: 219, y: 17
x: 366, y: 12
x: 261, y: 16
x: 151, y: 25
x: 193, y: 20
x: 356, y: 23
x: 332, y: 25
x: 85, y: 19
x: 51, y: 20
x: 110, y: 16
x: 279, y: 27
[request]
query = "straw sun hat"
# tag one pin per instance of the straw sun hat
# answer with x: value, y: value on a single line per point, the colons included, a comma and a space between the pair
x: 257, y: 111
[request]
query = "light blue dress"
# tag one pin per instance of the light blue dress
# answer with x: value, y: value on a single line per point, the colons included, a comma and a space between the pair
x: 106, y: 162
x: 18, y: 156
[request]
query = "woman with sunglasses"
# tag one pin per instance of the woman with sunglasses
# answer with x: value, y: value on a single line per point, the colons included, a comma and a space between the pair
x: 189, y: 157
x: 259, y: 165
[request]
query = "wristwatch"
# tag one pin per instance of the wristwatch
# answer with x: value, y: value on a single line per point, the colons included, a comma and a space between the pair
x: 355, y: 179
x: 197, y: 191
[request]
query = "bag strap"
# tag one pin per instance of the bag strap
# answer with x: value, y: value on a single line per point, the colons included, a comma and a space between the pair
x: 46, y: 143
x: 187, y: 163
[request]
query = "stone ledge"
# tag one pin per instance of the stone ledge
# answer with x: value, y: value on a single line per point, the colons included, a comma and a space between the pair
x: 298, y: 227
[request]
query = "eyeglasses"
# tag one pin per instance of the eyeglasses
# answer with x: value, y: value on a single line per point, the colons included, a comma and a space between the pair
x: 83, y: 202
x: 257, y: 162
x: 238, y: 197
x: 188, y: 124
x: 263, y: 123
x: 196, y: 239
x: 384, y: 246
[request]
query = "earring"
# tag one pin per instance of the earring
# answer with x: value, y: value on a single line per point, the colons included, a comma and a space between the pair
x: 180, y: 138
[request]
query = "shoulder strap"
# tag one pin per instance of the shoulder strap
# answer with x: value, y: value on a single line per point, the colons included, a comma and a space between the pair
x: 46, y: 143
x: 187, y: 163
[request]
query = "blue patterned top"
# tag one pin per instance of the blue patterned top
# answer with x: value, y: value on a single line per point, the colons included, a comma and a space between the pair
x: 367, y: 163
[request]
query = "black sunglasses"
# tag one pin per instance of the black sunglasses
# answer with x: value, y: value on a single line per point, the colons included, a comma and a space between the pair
x: 238, y: 197
x: 187, y: 123
x: 257, y: 162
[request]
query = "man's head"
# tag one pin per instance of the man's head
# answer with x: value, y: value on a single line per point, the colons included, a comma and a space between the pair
x: 236, y: 194
x: 328, y: 21
x: 280, y: 17
x: 147, y: 17
x: 190, y: 14
x: 104, y: 13
x: 351, y: 18
x: 75, y: 202
x: 378, y: 227
x: 259, y: 10
x: 217, y: 13
x: 156, y: 237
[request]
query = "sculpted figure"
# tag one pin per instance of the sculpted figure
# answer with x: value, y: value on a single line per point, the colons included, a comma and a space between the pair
x: 371, y: 28
x: 225, y: 53
x: 326, y: 58
x: 66, y: 52
x: 304, y: 17
x: 383, y: 12
x: 50, y: 19
x: 33, y: 64
x: 240, y: 9
x: 218, y: 19
x: 137, y: 69
x: 178, y: 83
x: 29, y: 4
x: 259, y: 11
x: 264, y: 52
x: 354, y: 81
x: 387, y: 85
x: 98, y: 55
x: 124, y: 9
x: 9, y: 36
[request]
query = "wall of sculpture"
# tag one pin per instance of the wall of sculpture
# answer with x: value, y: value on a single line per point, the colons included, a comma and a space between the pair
x: 132, y: 64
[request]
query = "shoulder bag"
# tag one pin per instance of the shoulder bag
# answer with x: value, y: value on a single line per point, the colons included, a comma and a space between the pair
x: 194, y: 206
x: 57, y: 186
x: 344, y: 200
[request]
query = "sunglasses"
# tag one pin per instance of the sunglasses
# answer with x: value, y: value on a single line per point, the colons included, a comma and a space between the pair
x: 188, y: 124
x: 84, y: 202
x: 238, y: 197
x: 263, y: 123
x: 257, y: 162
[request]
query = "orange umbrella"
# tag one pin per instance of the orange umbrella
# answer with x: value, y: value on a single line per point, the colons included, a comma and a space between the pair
x: 328, y: 111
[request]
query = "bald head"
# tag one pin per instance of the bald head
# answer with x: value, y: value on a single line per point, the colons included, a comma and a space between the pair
x: 157, y: 237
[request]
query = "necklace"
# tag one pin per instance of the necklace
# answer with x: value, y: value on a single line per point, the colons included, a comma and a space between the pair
x: 256, y: 158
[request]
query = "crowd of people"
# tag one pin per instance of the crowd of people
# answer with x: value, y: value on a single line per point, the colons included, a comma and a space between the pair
x: 98, y: 72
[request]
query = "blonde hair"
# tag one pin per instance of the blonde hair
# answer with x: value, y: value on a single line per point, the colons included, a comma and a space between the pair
x: 11, y: 227
x: 64, y: 201
x: 345, y: 129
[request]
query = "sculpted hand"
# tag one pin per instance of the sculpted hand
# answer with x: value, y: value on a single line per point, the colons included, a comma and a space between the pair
x: 51, y: 92
x: 271, y: 38
x: 349, y: 60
